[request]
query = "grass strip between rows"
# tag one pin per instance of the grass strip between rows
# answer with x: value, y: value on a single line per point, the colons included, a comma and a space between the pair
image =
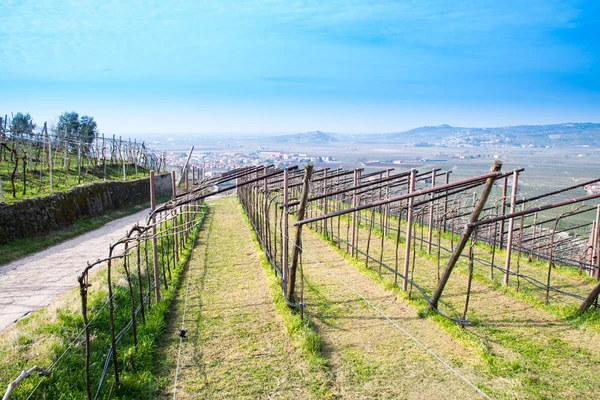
x: 300, y: 330
x: 494, y: 364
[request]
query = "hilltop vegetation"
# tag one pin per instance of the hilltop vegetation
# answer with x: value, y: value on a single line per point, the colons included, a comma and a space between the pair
x: 39, y: 160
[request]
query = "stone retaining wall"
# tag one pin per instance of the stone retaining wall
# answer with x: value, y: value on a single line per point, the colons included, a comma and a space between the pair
x: 34, y: 217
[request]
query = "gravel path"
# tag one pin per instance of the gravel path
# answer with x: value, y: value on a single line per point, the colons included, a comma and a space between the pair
x: 32, y: 282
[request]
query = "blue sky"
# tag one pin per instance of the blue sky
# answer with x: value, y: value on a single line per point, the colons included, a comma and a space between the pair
x: 292, y: 66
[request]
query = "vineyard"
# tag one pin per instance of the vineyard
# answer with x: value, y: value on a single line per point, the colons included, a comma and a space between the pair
x: 397, y: 222
x: 38, y: 163
x: 510, y: 279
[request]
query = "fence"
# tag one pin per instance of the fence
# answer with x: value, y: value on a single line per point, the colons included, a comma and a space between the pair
x: 399, y: 222
x: 50, y: 161
x: 117, y: 306
x: 403, y: 225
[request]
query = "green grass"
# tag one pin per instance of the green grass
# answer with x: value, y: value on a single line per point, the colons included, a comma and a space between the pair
x: 45, y: 335
x: 361, y: 369
x: 535, y: 366
x: 299, y: 329
x: 23, y: 247
x: 38, y: 184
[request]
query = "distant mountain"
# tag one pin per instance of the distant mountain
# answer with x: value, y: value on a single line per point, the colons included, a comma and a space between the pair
x: 308, y: 137
x: 556, y: 135
x: 425, y: 132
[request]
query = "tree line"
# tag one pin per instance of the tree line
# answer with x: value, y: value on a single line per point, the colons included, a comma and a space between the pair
x: 38, y: 159
x: 70, y: 126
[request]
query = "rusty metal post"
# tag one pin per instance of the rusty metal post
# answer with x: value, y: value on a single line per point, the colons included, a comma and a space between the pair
x: 354, y: 204
x: 175, y: 220
x: 533, y: 234
x: 445, y: 212
x: 596, y: 258
x: 589, y: 257
x: 83, y: 286
x: 286, y: 239
x: 409, y: 223
x: 511, y: 225
x: 154, y: 240
x: 185, y: 208
x: 386, y: 210
x: 325, y: 202
x: 265, y: 213
x: 431, y: 206
x: 464, y: 238
x: 503, y: 211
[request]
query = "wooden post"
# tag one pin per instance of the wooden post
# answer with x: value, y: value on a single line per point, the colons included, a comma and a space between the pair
x: 430, y: 221
x: 496, y: 167
x: 589, y: 300
x: 184, y: 171
x: 135, y: 156
x: 26, y: 373
x: 97, y: 150
x: 49, y: 156
x: 79, y: 162
x: 122, y: 159
x: 511, y: 225
x: 154, y: 240
x: 286, y: 239
x: 409, y: 223
x: 298, y: 241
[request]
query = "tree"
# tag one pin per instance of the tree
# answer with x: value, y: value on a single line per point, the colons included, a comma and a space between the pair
x: 68, y: 127
x: 88, y: 129
x: 21, y: 125
x: 75, y: 129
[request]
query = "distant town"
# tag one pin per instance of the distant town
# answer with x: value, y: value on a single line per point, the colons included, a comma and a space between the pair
x: 214, y: 162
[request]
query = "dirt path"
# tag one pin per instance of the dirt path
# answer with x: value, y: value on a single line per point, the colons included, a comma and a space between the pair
x: 236, y: 346
x: 32, y: 282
